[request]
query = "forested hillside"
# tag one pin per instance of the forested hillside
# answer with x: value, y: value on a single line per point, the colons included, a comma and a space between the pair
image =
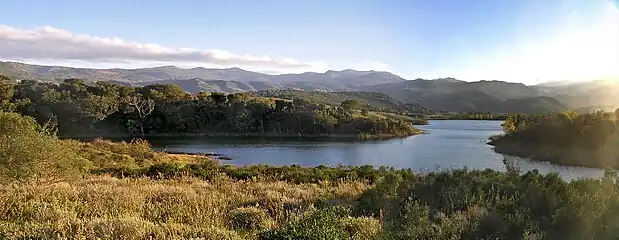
x: 371, y: 100
x: 105, y: 109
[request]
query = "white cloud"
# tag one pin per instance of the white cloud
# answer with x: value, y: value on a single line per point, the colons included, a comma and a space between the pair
x: 48, y: 43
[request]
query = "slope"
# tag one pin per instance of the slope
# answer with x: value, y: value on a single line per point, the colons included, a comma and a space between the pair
x: 372, y: 100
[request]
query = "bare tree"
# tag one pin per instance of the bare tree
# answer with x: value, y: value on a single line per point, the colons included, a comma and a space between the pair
x: 143, y: 107
x: 511, y: 163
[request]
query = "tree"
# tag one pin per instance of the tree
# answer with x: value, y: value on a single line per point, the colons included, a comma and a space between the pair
x: 97, y: 108
x: 617, y: 114
x: 6, y: 95
x: 142, y: 107
x: 29, y: 152
x: 351, y: 104
x: 164, y: 93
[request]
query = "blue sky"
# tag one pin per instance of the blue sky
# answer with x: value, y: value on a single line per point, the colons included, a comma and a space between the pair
x: 512, y: 40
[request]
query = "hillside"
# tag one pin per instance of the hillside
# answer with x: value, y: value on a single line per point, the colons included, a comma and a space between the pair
x: 444, y: 94
x: 197, y: 85
x: 345, y: 79
x: 451, y: 95
x: 419, y: 89
x: 372, y: 100
x: 586, y: 96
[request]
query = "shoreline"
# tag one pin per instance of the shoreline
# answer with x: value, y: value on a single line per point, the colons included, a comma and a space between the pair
x: 550, y: 154
x: 248, y: 135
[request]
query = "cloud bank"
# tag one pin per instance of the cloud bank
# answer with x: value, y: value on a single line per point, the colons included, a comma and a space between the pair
x: 57, y: 44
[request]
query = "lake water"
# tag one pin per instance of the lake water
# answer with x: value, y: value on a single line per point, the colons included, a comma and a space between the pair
x: 446, y: 145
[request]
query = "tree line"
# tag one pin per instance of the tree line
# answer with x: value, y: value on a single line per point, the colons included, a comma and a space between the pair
x: 566, y: 138
x: 106, y: 109
x: 468, y: 116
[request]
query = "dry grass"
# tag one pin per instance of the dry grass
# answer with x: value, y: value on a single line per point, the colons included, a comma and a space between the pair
x: 133, y: 154
x: 103, y: 207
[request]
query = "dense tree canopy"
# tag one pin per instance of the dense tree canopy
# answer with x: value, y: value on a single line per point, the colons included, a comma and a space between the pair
x: 565, y: 138
x: 106, y: 109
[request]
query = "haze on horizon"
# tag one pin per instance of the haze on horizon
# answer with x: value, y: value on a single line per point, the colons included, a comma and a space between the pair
x: 524, y: 41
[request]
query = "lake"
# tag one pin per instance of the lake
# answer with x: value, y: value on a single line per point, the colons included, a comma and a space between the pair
x: 447, y: 144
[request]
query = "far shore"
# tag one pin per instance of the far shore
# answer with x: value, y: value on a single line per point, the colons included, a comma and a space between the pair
x: 249, y: 135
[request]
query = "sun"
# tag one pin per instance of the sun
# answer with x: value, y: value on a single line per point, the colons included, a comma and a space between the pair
x: 581, y: 52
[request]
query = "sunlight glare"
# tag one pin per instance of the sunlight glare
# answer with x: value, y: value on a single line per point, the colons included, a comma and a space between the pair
x: 581, y: 53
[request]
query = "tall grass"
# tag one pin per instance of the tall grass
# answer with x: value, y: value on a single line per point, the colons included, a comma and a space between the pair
x: 106, y: 207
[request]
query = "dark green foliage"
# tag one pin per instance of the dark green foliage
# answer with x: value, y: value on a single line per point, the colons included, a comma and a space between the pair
x: 351, y: 104
x: 486, y: 204
x: 320, y: 224
x: 106, y: 109
x: 293, y: 173
x: 565, y: 138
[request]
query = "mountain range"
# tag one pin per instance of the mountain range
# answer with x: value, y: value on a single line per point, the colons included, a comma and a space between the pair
x: 445, y: 94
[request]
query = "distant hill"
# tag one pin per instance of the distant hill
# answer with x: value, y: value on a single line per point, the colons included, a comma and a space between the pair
x: 343, y: 79
x: 534, y: 105
x: 197, y: 85
x: 451, y: 95
x: 419, y: 89
x: 372, y: 100
x: 444, y: 94
x: 586, y: 96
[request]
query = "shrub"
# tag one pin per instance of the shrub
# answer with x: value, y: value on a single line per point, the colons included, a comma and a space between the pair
x: 138, y: 149
x: 248, y: 218
x: 29, y: 152
x: 316, y: 224
x: 361, y: 228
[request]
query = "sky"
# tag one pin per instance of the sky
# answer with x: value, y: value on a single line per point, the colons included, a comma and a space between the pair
x: 528, y: 41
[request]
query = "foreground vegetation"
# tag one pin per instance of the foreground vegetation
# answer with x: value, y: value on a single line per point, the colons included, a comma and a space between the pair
x: 65, y: 189
x: 569, y: 138
x: 106, y: 109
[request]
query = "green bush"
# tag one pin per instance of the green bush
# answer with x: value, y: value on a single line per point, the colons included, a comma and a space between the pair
x: 29, y: 152
x: 318, y: 224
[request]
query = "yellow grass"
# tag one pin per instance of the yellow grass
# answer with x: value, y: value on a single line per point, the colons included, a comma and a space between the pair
x: 102, y: 207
